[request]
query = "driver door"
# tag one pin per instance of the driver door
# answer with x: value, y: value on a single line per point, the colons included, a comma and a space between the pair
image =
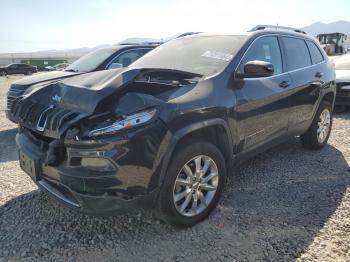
x: 263, y: 104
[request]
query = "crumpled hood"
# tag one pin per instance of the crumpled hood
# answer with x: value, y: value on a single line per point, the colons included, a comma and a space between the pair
x: 72, y: 99
x: 43, y: 77
x: 342, y: 76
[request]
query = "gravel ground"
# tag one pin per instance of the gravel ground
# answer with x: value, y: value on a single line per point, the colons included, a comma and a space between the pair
x: 286, y: 204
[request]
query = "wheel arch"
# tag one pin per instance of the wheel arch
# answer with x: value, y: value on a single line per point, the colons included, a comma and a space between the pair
x: 329, y: 97
x: 214, y: 130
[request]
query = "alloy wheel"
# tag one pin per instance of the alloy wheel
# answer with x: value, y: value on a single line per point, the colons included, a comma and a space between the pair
x: 195, y: 186
x: 324, y: 124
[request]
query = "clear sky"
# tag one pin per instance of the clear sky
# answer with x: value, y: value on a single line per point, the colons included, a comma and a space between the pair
x: 32, y: 25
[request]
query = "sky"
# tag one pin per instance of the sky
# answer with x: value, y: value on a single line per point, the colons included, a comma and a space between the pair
x: 33, y: 25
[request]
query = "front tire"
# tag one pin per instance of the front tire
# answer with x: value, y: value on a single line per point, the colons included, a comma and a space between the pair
x: 28, y: 73
x: 193, y: 184
x: 2, y: 73
x: 318, y: 134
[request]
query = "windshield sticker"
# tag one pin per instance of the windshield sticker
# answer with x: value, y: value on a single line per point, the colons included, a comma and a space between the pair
x: 218, y: 55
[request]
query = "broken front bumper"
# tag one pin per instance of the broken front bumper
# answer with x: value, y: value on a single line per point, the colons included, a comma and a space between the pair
x: 103, y: 177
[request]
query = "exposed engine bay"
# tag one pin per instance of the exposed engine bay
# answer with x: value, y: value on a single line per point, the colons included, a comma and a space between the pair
x: 91, y: 102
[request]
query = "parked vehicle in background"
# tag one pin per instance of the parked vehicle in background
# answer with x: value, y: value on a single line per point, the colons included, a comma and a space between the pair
x: 58, y: 67
x: 333, y: 43
x: 14, y: 69
x: 165, y: 132
x: 41, y: 63
x: 100, y: 59
x: 342, y: 66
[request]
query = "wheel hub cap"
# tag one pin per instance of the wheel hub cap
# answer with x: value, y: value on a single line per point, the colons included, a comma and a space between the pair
x: 323, y: 125
x: 195, y: 186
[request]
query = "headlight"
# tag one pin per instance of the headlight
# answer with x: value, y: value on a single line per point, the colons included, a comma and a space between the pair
x: 128, y: 122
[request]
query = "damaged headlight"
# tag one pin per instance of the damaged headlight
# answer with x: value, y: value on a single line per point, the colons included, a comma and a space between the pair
x: 128, y: 122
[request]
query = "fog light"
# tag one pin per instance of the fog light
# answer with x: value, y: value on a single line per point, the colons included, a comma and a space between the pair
x: 97, y: 164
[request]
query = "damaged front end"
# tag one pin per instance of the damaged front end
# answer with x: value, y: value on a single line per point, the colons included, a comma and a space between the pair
x: 95, y: 142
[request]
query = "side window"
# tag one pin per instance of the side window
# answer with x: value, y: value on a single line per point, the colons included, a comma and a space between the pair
x: 14, y: 66
x: 146, y: 50
x: 264, y: 49
x: 297, y: 53
x: 316, y: 55
x: 128, y: 57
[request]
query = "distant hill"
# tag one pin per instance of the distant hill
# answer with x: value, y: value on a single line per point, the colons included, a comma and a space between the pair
x: 314, y: 29
x: 317, y: 28
x: 139, y: 40
x: 78, y: 52
x: 67, y: 53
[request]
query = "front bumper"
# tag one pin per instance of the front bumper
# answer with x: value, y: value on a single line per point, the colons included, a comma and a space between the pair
x: 132, y: 183
x: 343, y: 95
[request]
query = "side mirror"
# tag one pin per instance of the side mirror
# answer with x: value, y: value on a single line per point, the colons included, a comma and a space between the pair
x: 115, y: 65
x: 258, y: 69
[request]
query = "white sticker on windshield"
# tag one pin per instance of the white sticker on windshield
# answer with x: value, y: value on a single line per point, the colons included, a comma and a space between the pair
x: 217, y: 55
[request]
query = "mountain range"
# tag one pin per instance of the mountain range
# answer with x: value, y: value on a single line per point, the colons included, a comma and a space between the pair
x: 317, y: 28
x: 313, y: 29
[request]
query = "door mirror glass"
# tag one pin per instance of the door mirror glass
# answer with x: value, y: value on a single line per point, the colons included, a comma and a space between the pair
x: 115, y: 65
x: 258, y: 68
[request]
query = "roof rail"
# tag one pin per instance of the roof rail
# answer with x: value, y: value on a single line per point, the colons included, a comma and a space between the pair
x: 276, y: 27
x: 142, y: 43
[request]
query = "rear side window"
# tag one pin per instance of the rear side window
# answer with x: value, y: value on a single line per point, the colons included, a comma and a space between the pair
x: 297, y: 53
x: 316, y: 55
x: 264, y: 49
x: 146, y: 50
x: 128, y: 57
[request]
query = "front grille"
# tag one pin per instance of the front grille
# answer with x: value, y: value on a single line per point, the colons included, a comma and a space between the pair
x: 51, y: 120
x: 11, y: 96
x: 10, y: 100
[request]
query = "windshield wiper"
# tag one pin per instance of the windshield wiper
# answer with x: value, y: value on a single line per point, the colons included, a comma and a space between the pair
x: 71, y: 70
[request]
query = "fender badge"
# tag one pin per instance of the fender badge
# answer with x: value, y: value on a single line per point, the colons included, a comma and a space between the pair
x: 56, y: 98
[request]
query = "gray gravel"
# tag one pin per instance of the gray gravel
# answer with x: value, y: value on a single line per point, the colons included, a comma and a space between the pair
x: 285, y: 204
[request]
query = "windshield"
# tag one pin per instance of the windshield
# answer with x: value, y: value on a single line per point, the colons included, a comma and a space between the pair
x: 203, y: 55
x: 342, y: 63
x: 91, y: 61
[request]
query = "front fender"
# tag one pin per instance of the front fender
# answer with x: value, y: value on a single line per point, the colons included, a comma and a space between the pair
x: 176, y: 137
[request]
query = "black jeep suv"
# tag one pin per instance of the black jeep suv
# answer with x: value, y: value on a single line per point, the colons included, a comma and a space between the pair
x: 165, y: 132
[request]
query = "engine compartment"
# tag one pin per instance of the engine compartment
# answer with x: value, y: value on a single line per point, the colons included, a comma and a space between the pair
x: 151, y: 89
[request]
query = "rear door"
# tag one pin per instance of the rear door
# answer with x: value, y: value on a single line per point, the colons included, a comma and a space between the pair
x: 22, y: 69
x: 306, y: 75
x: 262, y: 103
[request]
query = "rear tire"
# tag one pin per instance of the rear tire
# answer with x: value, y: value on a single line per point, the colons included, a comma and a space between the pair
x: 317, y: 135
x: 184, y: 199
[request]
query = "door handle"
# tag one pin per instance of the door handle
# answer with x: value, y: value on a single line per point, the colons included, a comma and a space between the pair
x: 318, y: 74
x: 285, y: 84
